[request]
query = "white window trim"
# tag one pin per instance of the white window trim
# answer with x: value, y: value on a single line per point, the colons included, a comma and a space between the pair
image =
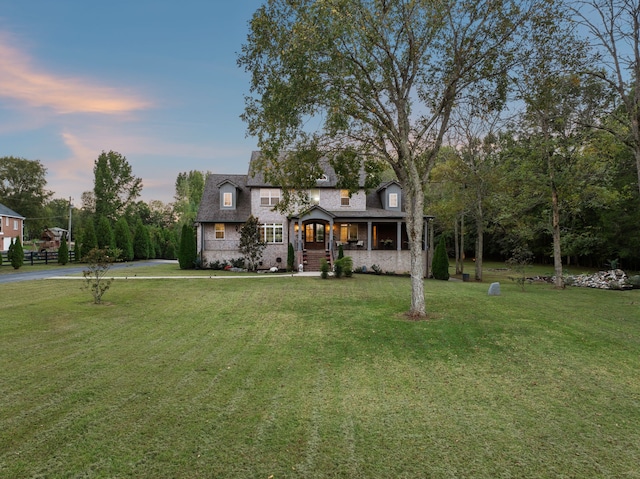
x: 345, y: 199
x: 393, y: 200
x: 315, y: 201
x: 227, y: 196
x: 269, y: 196
x: 346, y: 230
x: 216, y: 231
x: 272, y: 229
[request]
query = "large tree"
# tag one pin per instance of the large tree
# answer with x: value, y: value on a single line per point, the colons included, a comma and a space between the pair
x: 115, y: 185
x: 189, y: 190
x: 613, y: 27
x: 380, y: 79
x: 23, y: 189
x: 557, y: 102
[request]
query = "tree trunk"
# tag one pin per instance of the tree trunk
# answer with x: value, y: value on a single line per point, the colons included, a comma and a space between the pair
x: 462, y: 244
x: 415, y: 226
x: 479, y: 237
x: 456, y: 248
x: 636, y: 153
x: 557, y: 253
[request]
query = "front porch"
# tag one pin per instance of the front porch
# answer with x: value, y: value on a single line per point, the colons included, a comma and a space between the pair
x: 368, y: 241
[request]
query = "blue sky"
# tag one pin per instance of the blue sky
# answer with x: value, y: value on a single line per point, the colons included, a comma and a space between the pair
x: 154, y: 80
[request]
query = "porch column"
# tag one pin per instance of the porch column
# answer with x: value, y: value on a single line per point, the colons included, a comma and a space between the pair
x: 369, y: 235
x: 299, y: 248
x: 399, y: 235
x: 331, y: 234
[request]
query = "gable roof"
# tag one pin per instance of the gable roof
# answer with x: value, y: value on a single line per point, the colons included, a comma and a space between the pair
x: 256, y: 177
x: 210, y: 210
x: 4, y: 211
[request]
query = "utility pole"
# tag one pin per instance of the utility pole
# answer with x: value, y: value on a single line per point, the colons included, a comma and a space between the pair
x: 69, y: 233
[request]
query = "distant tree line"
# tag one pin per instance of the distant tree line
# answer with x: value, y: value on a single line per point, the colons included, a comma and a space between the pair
x: 111, y: 217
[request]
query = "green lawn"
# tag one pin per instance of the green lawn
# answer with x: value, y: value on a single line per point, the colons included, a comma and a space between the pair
x: 304, y: 378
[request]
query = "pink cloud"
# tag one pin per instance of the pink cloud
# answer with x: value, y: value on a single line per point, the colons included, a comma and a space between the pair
x: 20, y: 80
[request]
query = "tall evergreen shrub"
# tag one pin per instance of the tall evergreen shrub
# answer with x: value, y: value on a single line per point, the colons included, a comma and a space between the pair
x: 122, y: 234
x: 63, y: 251
x: 440, y: 264
x: 104, y: 234
x: 17, y: 254
x: 290, y: 258
x: 89, y: 239
x: 187, y: 253
x: 141, y: 241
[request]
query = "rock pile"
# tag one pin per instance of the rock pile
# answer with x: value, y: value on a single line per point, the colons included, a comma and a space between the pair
x: 613, y: 279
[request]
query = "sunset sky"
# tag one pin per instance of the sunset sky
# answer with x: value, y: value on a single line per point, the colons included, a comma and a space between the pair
x: 154, y: 80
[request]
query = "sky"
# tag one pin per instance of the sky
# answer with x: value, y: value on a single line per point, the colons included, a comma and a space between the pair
x: 154, y: 80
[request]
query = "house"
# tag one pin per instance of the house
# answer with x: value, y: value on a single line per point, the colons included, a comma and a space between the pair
x: 51, y: 237
x: 370, y: 225
x: 11, y: 226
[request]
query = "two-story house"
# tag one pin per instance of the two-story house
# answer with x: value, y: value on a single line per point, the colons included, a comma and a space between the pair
x: 11, y: 226
x: 370, y: 225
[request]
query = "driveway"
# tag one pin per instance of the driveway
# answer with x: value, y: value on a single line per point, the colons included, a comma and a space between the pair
x: 24, y: 275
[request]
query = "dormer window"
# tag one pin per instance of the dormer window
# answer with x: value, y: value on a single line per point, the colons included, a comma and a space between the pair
x: 393, y: 200
x: 227, y: 200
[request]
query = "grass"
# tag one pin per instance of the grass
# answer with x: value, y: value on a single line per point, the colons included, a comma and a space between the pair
x: 304, y: 378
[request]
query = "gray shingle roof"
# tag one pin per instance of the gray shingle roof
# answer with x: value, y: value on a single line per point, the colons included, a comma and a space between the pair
x: 4, y: 211
x: 256, y: 177
x: 210, y: 211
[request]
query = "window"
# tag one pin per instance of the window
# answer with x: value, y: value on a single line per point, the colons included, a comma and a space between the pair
x: 219, y: 231
x: 15, y: 225
x: 314, y: 196
x: 345, y: 200
x: 227, y: 200
x: 269, y: 196
x: 348, y: 232
x: 393, y: 200
x: 272, y: 233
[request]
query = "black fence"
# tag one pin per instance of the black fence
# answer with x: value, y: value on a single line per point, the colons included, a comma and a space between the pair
x: 39, y: 257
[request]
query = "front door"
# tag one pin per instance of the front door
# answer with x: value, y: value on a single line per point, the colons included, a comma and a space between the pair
x: 314, y: 236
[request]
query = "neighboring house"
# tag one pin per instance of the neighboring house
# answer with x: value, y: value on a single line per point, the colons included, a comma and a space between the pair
x: 370, y: 226
x: 51, y: 237
x: 11, y: 226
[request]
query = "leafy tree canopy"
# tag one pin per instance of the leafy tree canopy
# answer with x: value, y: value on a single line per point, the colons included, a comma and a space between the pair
x: 115, y: 186
x: 381, y: 78
x: 23, y: 189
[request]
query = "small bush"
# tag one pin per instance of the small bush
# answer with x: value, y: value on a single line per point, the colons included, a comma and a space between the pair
x: 347, y: 266
x: 238, y: 263
x: 520, y: 259
x: 376, y: 269
x: 338, y: 268
x: 634, y: 281
x: 324, y: 268
x: 98, y: 264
